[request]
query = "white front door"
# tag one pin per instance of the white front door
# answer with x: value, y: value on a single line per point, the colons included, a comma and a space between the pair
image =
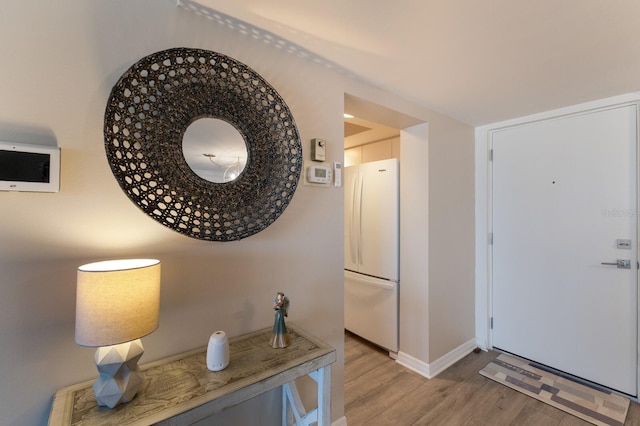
x: 563, y: 202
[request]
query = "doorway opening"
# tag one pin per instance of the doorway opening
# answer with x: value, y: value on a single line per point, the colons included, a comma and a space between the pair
x: 372, y: 187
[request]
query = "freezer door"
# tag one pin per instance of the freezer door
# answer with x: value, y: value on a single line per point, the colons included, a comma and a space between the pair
x: 371, y: 309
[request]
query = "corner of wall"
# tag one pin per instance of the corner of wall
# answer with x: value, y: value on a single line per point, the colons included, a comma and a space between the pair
x: 431, y: 370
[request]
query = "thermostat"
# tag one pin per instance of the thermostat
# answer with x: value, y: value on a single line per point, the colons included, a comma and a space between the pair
x: 318, y: 174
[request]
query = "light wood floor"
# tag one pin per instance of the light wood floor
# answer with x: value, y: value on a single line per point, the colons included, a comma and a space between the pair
x: 378, y: 391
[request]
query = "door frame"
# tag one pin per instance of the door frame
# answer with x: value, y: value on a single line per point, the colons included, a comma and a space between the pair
x: 484, y: 212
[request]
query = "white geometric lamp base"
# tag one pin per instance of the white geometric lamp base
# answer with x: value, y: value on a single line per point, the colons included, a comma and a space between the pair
x: 120, y: 377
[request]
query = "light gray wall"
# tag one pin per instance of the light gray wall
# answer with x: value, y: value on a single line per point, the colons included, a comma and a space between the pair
x: 451, y: 237
x: 415, y: 329
x: 60, y: 61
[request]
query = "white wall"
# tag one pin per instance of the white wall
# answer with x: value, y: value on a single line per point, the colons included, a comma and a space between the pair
x: 451, y: 237
x: 60, y: 61
x: 415, y: 328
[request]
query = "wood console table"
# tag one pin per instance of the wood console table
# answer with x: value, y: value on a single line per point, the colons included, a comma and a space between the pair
x: 180, y: 390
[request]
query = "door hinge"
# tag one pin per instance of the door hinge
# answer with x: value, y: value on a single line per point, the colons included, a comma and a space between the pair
x: 491, y: 238
x: 492, y: 323
x: 491, y: 155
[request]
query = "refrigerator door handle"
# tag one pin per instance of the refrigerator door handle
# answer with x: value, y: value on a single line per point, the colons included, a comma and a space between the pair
x: 360, y: 221
x: 382, y: 285
x: 352, y: 225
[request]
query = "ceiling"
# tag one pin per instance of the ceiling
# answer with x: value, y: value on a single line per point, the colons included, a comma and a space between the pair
x: 477, y: 61
x: 358, y: 131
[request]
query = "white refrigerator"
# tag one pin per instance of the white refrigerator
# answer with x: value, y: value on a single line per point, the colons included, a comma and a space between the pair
x: 371, y: 276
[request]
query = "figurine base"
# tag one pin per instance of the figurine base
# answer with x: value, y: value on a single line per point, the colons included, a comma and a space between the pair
x: 280, y: 340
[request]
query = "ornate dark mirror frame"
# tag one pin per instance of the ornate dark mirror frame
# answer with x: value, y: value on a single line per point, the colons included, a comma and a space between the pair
x: 148, y: 111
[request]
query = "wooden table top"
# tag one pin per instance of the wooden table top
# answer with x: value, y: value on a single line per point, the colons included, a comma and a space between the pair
x: 180, y: 383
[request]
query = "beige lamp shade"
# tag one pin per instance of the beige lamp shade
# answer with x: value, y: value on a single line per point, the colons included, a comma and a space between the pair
x: 117, y: 301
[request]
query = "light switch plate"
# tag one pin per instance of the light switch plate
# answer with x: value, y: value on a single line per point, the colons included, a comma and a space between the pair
x: 318, y: 149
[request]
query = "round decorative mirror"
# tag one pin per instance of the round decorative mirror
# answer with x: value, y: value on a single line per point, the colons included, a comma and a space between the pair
x: 175, y: 108
x: 214, y: 150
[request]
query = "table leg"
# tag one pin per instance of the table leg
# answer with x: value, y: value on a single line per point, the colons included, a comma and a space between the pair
x: 292, y: 408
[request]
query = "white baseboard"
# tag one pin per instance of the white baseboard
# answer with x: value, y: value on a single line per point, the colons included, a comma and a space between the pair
x: 438, y: 366
x: 342, y: 421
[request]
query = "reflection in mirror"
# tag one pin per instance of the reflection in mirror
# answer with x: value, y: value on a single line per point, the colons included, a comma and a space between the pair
x: 214, y: 149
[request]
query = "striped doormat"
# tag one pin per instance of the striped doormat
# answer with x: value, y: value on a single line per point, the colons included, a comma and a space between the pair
x: 592, y: 405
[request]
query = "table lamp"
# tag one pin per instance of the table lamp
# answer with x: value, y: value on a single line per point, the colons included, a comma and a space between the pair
x: 117, y: 303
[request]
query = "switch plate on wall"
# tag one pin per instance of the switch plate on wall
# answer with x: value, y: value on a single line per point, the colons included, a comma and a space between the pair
x: 318, y: 149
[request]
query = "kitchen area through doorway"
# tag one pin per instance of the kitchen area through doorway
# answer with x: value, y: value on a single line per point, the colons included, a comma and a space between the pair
x: 371, y: 231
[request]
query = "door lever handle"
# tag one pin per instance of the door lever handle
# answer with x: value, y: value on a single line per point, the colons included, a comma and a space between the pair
x: 620, y: 263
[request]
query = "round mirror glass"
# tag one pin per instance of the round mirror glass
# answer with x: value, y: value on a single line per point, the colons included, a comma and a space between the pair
x: 214, y: 149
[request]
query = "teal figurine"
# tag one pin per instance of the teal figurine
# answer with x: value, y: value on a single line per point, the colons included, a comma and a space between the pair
x: 281, y: 337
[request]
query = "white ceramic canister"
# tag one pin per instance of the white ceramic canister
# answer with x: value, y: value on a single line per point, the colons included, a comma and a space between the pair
x: 218, y: 351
